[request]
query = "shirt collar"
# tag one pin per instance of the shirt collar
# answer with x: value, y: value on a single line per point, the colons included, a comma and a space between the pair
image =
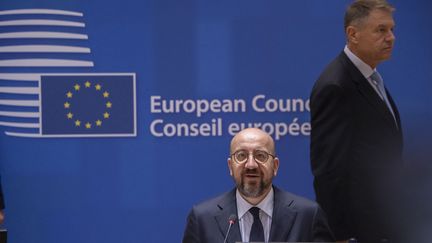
x: 365, y: 69
x: 266, y: 205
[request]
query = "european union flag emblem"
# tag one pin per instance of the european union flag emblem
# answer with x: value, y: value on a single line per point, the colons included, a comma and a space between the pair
x: 88, y: 105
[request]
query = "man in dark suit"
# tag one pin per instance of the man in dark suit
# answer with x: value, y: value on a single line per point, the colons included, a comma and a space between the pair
x: 256, y: 210
x: 356, y: 138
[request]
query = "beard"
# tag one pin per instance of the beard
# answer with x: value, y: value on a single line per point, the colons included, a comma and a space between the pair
x: 253, y: 189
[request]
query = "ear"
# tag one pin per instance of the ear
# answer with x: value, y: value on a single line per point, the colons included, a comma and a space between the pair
x: 352, y: 34
x: 230, y: 166
x: 275, y: 166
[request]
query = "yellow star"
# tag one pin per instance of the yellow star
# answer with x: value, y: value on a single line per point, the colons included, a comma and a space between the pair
x: 98, y: 87
x: 69, y: 94
x: 66, y: 105
x: 77, y: 87
x: 87, y: 84
x: 108, y: 104
x: 77, y: 123
x: 69, y: 115
x: 105, y: 94
x: 98, y: 123
x: 106, y: 115
x: 88, y: 125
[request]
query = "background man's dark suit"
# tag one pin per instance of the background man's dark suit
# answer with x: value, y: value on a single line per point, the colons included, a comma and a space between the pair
x: 294, y: 219
x: 355, y: 148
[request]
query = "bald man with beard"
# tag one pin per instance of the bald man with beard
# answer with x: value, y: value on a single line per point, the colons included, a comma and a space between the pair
x: 280, y: 215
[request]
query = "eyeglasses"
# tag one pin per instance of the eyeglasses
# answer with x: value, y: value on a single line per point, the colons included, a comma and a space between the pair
x: 241, y: 156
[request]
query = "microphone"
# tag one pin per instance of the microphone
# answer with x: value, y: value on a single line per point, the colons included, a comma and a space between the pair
x: 231, y: 220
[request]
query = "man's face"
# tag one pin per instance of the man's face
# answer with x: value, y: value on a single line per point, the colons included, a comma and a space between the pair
x: 374, y: 37
x: 253, y: 179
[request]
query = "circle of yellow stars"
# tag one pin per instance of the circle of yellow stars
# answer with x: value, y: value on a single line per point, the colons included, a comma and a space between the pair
x: 69, y: 107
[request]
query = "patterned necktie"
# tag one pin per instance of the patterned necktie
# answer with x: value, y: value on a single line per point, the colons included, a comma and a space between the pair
x: 257, y: 231
x: 379, y: 83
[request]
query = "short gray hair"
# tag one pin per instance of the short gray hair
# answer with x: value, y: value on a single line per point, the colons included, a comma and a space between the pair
x: 360, y: 9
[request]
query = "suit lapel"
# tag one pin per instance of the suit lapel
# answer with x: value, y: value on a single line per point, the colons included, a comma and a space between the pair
x: 376, y: 101
x: 395, y: 110
x: 228, y: 207
x: 371, y: 95
x: 283, y: 217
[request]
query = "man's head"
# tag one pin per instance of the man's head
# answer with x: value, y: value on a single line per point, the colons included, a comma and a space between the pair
x: 369, y: 30
x: 252, y: 163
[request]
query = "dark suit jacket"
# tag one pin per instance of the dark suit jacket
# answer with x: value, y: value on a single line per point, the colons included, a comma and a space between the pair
x: 356, y: 148
x: 294, y: 219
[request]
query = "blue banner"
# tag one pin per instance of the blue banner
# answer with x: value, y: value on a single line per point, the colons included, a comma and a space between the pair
x: 116, y: 116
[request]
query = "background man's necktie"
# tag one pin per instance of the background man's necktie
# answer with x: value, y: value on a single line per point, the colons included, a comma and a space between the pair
x: 379, y: 83
x: 257, y: 231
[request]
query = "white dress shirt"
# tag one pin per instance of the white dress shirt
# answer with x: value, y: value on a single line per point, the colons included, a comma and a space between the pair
x: 246, y: 218
x: 365, y: 69
x: 367, y: 72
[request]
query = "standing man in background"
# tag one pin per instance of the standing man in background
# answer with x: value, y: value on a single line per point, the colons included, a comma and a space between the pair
x: 356, y: 138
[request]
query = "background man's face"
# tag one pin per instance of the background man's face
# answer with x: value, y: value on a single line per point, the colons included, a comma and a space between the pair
x: 375, y: 37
